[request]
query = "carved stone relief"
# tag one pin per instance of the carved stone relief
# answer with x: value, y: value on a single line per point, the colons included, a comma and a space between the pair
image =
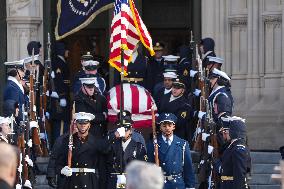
x: 15, y: 5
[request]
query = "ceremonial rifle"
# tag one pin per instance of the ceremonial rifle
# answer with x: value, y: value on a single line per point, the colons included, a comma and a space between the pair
x: 198, y: 133
x: 70, y: 145
x: 35, y: 133
x: 155, y: 142
x: 44, y: 141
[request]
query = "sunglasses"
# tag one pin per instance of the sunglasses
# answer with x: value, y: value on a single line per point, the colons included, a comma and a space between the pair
x: 90, y: 68
x: 82, y: 121
x: 89, y: 85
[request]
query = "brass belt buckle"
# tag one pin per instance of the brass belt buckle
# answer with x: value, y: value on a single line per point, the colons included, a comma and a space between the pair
x: 81, y: 170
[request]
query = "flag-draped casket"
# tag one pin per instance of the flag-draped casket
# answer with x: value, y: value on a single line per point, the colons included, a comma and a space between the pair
x: 136, y: 99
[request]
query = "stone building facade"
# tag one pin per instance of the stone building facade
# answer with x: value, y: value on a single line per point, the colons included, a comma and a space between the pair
x: 249, y: 35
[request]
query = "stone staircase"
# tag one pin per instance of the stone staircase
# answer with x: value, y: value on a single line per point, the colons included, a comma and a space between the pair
x: 41, y: 182
x: 263, y: 164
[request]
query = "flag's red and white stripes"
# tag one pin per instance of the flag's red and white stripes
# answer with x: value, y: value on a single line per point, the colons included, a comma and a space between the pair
x: 137, y: 100
x: 127, y: 29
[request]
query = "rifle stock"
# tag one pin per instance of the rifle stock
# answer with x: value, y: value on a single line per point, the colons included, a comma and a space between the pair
x: 32, y: 112
x: 156, y: 147
x: 69, y: 158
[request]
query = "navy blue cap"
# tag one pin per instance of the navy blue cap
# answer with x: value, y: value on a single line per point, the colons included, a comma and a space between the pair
x: 167, y: 117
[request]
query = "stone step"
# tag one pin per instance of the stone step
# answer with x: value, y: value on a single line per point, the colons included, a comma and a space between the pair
x: 264, y: 186
x: 42, y: 187
x: 41, y: 180
x: 262, y: 179
x: 265, y: 157
x: 263, y: 168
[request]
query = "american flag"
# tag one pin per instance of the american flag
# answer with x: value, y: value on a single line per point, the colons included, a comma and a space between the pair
x: 127, y: 29
x: 139, y: 102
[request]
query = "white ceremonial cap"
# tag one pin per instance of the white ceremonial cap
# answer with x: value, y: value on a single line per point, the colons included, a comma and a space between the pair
x: 234, y: 118
x: 216, y: 59
x: 172, y: 75
x: 171, y: 58
x: 90, y: 63
x: 5, y: 120
x: 84, y: 116
x: 88, y: 80
x: 221, y: 73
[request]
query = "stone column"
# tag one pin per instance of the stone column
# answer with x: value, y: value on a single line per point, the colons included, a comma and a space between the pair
x: 253, y: 80
x: 24, y: 23
x: 282, y: 61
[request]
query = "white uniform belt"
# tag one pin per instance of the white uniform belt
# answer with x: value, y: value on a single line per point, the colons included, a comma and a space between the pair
x: 83, y: 170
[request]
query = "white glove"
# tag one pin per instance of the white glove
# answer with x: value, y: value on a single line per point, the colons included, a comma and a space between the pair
x: 33, y: 124
x: 121, y: 179
x: 210, y: 149
x: 201, y: 114
x: 42, y: 136
x: 20, y: 168
x: 197, y: 92
x: 62, y: 102
x: 30, y: 143
x: 121, y: 131
x: 67, y: 171
x: 29, y: 161
x: 204, y: 136
x: 52, y: 74
x: 28, y: 184
x: 54, y: 94
x: 47, y: 115
x: 18, y: 186
x: 192, y: 73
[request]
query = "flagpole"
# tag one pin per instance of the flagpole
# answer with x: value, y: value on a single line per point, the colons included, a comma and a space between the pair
x: 121, y: 84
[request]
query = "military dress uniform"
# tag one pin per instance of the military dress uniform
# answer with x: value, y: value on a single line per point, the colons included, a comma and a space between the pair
x: 174, y: 159
x: 122, y: 153
x: 59, y: 105
x: 208, y: 47
x: 235, y: 162
x: 95, y: 104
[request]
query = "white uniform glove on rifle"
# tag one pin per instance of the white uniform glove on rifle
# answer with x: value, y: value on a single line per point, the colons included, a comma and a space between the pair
x: 204, y: 136
x: 30, y: 143
x: 62, y: 102
x: 67, y: 171
x: 121, y: 131
x: 192, y: 73
x: 54, y: 94
x: 29, y: 161
x: 197, y: 92
x: 201, y: 114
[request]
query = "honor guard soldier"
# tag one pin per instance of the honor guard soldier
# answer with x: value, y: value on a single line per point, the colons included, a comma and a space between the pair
x: 174, y: 155
x: 169, y: 78
x: 235, y: 162
x: 184, y: 66
x: 14, y: 90
x: 176, y: 103
x: 136, y: 70
x: 206, y: 47
x: 214, y: 62
x: 90, y: 100
x: 86, y: 149
x: 59, y: 106
x: 5, y: 129
x: 89, y: 66
x: 170, y: 65
x: 123, y: 151
x: 155, y: 67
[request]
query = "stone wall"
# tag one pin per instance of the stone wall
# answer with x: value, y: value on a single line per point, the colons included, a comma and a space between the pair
x: 24, y: 23
x: 249, y: 36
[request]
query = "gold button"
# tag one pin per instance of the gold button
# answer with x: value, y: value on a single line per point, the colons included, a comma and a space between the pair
x: 77, y: 163
x: 77, y: 174
x: 85, y: 174
x: 76, y: 186
x: 85, y: 164
x: 129, y: 72
x: 85, y: 186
